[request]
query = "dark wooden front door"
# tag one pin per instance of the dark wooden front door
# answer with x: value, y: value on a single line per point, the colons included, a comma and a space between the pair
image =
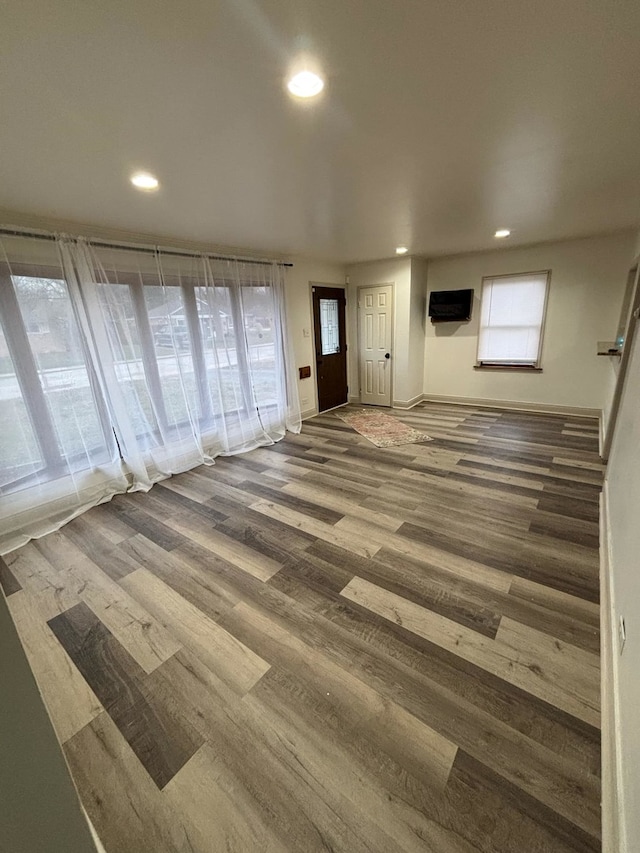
x: 331, y: 346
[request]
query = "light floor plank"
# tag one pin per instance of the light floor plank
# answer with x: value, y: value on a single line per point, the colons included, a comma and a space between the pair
x: 556, y: 679
x: 73, y: 707
x: 237, y: 665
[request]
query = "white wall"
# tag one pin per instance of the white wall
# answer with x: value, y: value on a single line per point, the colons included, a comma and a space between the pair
x: 408, y: 336
x: 588, y: 278
x: 622, y: 490
x: 300, y: 319
x: 623, y: 501
x: 417, y: 329
x: 609, y: 390
x: 40, y: 808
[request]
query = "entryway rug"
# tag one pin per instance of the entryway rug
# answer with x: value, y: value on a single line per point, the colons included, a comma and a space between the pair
x: 379, y: 428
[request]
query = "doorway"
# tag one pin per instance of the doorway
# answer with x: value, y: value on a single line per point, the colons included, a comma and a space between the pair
x: 331, y: 346
x: 375, y: 340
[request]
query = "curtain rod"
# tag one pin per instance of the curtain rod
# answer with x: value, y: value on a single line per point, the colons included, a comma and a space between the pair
x: 36, y: 235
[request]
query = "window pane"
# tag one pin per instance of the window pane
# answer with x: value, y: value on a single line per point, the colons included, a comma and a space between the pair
x: 219, y: 335
x: 258, y: 313
x: 56, y: 346
x: 329, y: 329
x: 172, y: 343
x: 19, y: 451
x: 119, y: 317
x: 518, y: 344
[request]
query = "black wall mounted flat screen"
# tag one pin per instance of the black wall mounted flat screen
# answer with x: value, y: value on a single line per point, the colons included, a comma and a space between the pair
x: 446, y: 306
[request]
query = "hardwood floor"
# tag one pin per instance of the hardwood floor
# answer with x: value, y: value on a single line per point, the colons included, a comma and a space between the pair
x: 323, y: 645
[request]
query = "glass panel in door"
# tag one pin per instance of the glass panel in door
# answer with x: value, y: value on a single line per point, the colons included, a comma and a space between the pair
x: 329, y: 326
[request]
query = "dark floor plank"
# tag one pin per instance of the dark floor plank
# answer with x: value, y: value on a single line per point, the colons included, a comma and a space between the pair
x: 278, y: 496
x: 266, y: 535
x: 146, y: 524
x: 162, y: 743
x: 194, y: 585
x: 102, y: 552
x: 107, y: 667
x: 479, y: 797
x: 176, y: 503
x: 573, y: 530
x: 8, y: 580
x: 574, y: 573
x: 162, y: 740
x: 570, y: 507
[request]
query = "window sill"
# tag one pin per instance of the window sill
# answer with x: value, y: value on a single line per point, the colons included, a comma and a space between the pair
x: 523, y: 368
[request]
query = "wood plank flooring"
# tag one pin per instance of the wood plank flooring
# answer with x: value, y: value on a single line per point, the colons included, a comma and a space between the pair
x: 327, y: 646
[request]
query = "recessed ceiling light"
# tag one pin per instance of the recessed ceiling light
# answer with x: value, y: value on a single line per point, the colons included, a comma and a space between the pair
x: 401, y: 250
x: 145, y: 181
x: 502, y: 232
x: 305, y: 84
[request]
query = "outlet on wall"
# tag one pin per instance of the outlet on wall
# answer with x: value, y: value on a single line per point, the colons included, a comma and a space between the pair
x: 622, y: 633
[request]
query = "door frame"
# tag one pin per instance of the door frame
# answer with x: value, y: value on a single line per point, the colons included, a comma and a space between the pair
x: 342, y: 286
x: 360, y: 287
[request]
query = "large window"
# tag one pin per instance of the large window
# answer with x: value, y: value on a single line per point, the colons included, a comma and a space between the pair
x: 511, y: 320
x: 122, y: 366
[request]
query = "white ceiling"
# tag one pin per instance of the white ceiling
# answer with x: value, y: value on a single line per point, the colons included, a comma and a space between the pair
x: 441, y: 121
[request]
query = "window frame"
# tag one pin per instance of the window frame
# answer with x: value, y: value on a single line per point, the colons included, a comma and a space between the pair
x: 514, y: 365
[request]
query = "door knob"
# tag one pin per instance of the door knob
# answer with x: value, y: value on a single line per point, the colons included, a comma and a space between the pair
x: 387, y: 355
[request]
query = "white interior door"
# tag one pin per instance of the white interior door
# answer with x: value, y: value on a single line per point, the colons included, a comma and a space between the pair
x: 375, y: 330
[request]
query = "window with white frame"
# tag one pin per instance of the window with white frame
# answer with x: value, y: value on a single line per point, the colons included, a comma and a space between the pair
x: 512, y: 319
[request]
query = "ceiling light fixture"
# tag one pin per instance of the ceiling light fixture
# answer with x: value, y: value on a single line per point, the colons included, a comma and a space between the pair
x: 502, y: 232
x: 401, y: 250
x: 305, y: 84
x: 145, y: 181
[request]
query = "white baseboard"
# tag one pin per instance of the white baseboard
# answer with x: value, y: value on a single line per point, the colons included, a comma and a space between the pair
x: 519, y: 405
x: 309, y: 413
x: 408, y: 404
x: 312, y: 412
x: 94, y: 834
x: 613, y: 840
x: 396, y: 404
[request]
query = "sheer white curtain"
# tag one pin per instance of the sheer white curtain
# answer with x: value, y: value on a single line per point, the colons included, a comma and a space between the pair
x: 119, y: 367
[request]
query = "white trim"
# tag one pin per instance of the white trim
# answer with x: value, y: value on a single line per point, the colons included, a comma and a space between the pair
x: 407, y: 404
x: 551, y: 408
x: 309, y: 413
x: 613, y: 840
x: 92, y: 830
x: 354, y: 398
x: 332, y: 409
